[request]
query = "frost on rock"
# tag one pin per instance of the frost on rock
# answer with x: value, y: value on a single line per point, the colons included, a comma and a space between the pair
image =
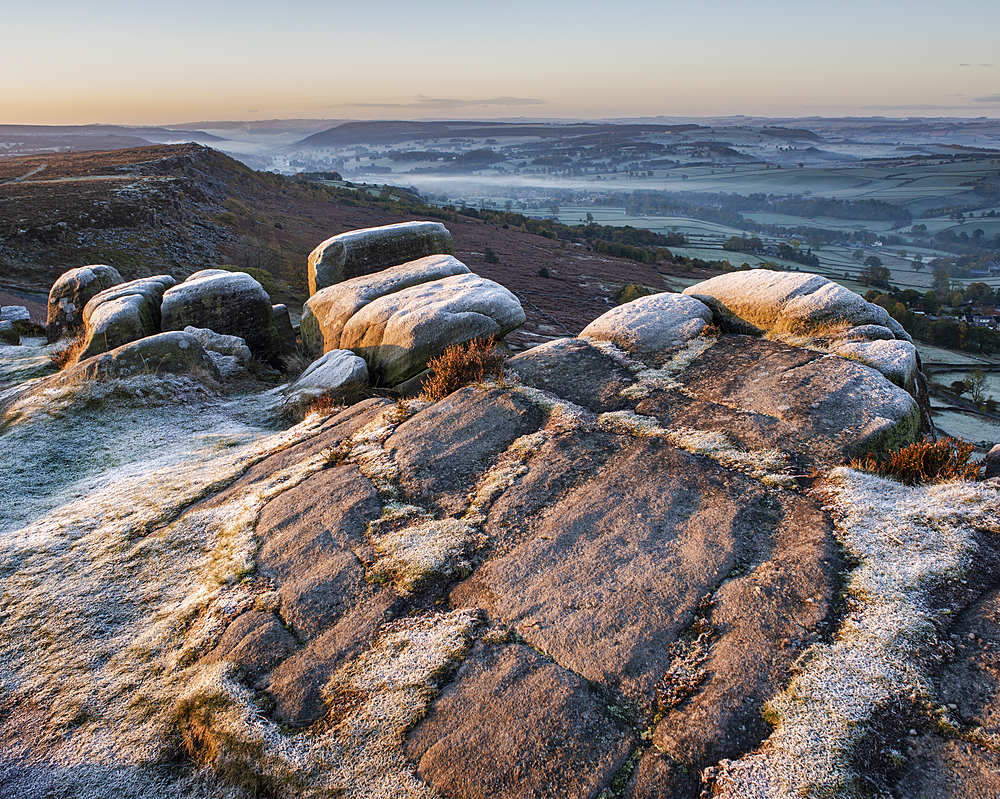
x: 132, y: 572
x: 909, y: 542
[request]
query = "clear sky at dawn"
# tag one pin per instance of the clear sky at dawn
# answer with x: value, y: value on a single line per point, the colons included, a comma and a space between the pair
x: 184, y: 61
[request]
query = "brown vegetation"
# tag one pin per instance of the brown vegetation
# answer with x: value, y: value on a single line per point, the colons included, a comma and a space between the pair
x: 461, y: 365
x: 925, y: 461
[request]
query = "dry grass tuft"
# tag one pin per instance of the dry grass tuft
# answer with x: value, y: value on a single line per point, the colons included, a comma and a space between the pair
x: 461, y: 365
x: 924, y: 462
x: 67, y: 355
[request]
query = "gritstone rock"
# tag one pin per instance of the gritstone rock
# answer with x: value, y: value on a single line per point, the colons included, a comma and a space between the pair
x: 229, y: 353
x: 328, y: 310
x: 286, y: 333
x: 226, y: 302
x: 653, y: 325
x: 14, y: 313
x: 788, y: 302
x: 71, y: 293
x: 336, y: 370
x: 362, y: 252
x: 8, y: 335
x: 124, y: 313
x: 398, y: 333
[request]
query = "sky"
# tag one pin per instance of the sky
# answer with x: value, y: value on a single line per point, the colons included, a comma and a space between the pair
x: 66, y: 62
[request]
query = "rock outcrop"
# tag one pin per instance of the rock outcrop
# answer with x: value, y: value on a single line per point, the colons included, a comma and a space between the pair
x: 124, y: 313
x: 398, y: 333
x: 327, y: 311
x: 362, y: 252
x: 70, y: 294
x: 816, y: 308
x: 232, y: 303
x: 607, y: 573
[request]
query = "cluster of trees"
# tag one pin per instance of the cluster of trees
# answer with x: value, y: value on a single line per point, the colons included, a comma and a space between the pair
x: 951, y: 333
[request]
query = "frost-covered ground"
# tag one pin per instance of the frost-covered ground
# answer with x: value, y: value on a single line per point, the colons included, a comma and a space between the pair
x: 113, y: 580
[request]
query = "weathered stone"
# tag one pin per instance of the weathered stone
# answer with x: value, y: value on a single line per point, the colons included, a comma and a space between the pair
x: 165, y: 353
x: 327, y: 311
x: 867, y: 333
x: 336, y: 371
x: 654, y: 325
x: 230, y: 354
x: 576, y: 371
x: 849, y: 405
x: 610, y: 575
x: 512, y: 726
x: 789, y: 302
x: 286, y: 333
x: 308, y: 537
x: 992, y: 463
x: 71, y: 293
x: 221, y: 343
x: 296, y: 686
x: 14, y: 313
x: 942, y: 765
x: 399, y: 333
x: 255, y: 642
x: 897, y: 360
x: 443, y: 450
x: 123, y: 313
x: 362, y: 252
x: 232, y: 303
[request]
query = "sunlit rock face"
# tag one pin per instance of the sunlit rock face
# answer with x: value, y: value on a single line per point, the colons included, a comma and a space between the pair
x: 623, y: 560
x: 363, y: 252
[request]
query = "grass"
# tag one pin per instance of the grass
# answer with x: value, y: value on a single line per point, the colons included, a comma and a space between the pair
x: 925, y: 462
x: 70, y: 352
x: 462, y: 365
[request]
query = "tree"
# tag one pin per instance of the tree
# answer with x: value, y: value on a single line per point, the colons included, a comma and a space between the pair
x: 858, y: 255
x: 508, y: 205
x: 590, y: 217
x: 554, y: 210
x: 976, y: 385
x: 959, y: 387
x: 874, y: 273
x: 930, y: 303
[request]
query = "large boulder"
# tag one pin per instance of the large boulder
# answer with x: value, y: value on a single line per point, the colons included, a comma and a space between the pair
x: 398, y: 333
x: 653, y: 326
x: 788, y: 302
x: 327, y: 311
x: 226, y: 302
x: 362, y: 252
x: 124, y: 313
x: 70, y: 294
x: 165, y: 353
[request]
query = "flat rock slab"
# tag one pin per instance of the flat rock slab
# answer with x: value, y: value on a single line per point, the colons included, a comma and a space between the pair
x: 819, y: 395
x: 512, y: 725
x: 616, y: 569
x: 970, y: 681
x: 575, y: 371
x: 443, y: 450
